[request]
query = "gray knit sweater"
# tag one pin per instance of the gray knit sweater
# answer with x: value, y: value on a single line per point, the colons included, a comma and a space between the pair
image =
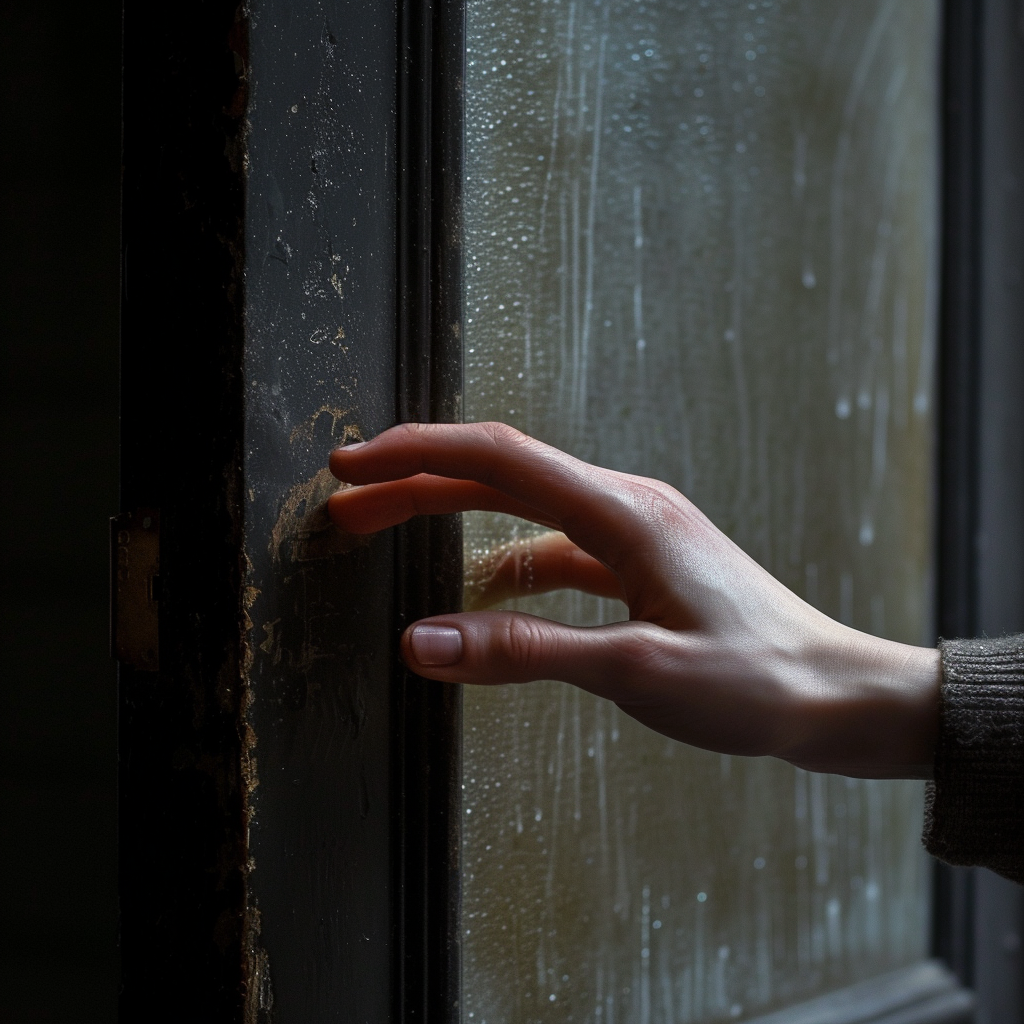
x: 974, y: 810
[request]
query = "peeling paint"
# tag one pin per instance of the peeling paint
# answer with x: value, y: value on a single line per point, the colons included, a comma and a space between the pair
x: 259, y: 996
x: 271, y: 644
x: 259, y: 999
x: 303, y: 531
x: 306, y: 430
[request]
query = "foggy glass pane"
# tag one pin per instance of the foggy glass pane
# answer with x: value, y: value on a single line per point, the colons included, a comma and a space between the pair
x: 700, y: 246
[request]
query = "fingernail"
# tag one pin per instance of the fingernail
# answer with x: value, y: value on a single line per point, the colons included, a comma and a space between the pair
x: 436, y: 645
x: 351, y: 447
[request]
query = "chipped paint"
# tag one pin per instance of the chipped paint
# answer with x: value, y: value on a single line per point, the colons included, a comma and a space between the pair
x: 303, y: 532
x: 319, y: 371
x: 305, y: 430
x: 271, y: 644
x: 259, y: 996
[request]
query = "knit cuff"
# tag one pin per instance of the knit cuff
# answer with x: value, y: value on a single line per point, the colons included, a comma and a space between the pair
x: 973, y: 809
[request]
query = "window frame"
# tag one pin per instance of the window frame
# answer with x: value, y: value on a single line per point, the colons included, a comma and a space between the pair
x: 980, y: 386
x: 427, y: 747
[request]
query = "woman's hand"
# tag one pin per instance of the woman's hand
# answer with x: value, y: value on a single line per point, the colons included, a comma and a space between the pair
x: 716, y: 653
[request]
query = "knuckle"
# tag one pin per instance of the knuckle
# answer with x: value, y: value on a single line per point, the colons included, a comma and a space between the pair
x: 650, y: 510
x: 526, y: 643
x: 645, y: 657
x: 666, y: 491
x: 502, y: 435
x: 412, y: 429
x: 637, y: 496
x: 633, y: 658
x: 651, y: 502
x: 633, y: 651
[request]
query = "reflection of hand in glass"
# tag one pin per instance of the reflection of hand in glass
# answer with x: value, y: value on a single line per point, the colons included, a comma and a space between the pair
x: 716, y: 652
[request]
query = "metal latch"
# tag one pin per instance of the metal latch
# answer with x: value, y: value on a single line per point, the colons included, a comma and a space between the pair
x: 135, y: 589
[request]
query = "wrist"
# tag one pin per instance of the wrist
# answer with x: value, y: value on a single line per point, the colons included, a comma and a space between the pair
x: 869, y: 707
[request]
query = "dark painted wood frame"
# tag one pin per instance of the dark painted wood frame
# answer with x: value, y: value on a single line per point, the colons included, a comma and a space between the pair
x: 980, y: 487
x: 428, y: 724
x: 956, y: 522
x: 198, y: 925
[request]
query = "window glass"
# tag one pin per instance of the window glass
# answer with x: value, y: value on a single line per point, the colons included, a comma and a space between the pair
x: 700, y: 246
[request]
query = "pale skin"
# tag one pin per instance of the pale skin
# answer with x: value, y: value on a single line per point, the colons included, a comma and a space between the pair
x: 717, y: 653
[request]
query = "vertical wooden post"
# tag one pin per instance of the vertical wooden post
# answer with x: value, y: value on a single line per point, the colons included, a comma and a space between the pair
x: 258, y: 818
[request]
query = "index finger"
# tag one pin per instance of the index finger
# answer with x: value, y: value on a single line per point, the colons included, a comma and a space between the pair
x: 595, y: 507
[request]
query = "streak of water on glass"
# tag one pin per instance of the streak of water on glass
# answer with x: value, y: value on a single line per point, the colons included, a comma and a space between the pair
x: 700, y: 245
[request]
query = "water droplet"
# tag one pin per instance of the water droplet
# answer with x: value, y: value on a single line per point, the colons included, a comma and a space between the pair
x: 843, y: 408
x: 809, y: 279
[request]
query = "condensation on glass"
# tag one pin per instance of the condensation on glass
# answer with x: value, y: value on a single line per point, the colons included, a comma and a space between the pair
x: 700, y: 246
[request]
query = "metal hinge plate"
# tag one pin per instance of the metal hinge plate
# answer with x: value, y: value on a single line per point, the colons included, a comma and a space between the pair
x: 135, y: 589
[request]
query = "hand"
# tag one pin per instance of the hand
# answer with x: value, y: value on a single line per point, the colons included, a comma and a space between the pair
x: 716, y: 653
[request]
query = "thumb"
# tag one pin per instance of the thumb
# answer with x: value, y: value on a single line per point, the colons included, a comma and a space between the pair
x: 490, y: 648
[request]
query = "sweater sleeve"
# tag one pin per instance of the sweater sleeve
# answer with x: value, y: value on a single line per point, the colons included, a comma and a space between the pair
x: 973, y: 808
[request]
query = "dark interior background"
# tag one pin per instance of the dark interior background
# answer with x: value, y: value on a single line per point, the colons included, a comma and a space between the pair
x: 59, y: 176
